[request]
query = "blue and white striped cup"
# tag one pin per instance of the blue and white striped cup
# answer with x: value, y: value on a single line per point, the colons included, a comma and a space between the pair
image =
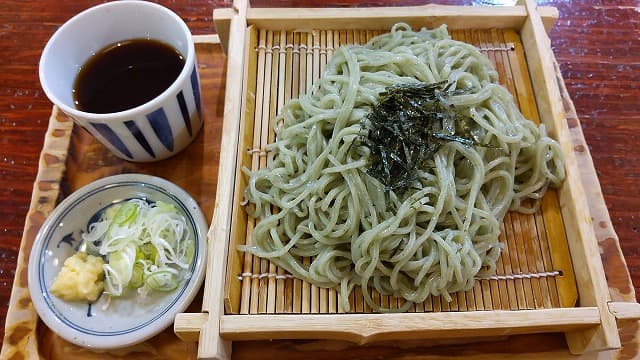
x: 152, y: 131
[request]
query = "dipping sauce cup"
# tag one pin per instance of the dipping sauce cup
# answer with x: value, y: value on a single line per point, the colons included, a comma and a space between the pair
x: 155, y: 130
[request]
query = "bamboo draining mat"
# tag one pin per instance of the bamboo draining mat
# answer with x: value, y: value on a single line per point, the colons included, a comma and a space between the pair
x: 534, y: 270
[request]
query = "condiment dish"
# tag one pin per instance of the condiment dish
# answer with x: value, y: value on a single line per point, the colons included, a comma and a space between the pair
x: 110, y: 323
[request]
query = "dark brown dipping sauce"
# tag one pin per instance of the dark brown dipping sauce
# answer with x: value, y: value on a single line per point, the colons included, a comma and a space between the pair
x: 126, y: 74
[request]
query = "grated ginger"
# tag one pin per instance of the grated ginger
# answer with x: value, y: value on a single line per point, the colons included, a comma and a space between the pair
x: 80, y: 279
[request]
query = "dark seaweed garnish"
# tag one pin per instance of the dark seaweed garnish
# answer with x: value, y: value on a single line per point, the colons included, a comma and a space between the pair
x: 407, y: 127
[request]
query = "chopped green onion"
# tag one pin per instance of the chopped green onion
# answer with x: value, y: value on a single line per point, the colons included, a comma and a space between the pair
x: 121, y: 262
x: 146, y: 245
x: 125, y: 214
x: 137, y: 275
x: 162, y: 280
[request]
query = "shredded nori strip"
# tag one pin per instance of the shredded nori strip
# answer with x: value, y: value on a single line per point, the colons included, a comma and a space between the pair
x: 407, y: 127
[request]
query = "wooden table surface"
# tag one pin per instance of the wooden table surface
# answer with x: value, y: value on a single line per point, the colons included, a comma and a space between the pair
x: 596, y: 42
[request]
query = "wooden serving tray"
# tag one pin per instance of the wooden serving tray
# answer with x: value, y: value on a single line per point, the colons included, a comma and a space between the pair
x: 71, y: 158
x: 279, y: 53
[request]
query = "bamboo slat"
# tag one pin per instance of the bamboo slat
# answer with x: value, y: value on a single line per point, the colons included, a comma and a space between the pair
x: 573, y: 202
x: 496, y: 56
x: 553, y: 224
x: 308, y: 19
x: 241, y: 224
x: 625, y: 310
x: 210, y: 342
x: 368, y: 328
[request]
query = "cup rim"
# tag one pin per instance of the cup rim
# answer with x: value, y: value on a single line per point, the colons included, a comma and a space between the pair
x: 151, y: 104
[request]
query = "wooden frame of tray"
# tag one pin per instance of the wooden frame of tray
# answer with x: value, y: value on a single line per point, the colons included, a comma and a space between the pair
x: 589, y: 326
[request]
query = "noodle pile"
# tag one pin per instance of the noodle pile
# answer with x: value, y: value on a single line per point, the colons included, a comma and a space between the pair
x: 316, y: 199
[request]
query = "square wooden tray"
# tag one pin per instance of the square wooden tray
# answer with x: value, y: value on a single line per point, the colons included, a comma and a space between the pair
x: 250, y: 299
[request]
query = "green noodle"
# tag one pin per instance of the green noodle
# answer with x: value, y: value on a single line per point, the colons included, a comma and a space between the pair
x: 315, y: 198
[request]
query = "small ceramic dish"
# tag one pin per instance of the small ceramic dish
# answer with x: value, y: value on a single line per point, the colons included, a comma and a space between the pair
x: 119, y: 322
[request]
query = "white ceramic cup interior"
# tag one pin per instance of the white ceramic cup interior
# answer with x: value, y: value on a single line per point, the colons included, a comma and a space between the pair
x: 130, y: 134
